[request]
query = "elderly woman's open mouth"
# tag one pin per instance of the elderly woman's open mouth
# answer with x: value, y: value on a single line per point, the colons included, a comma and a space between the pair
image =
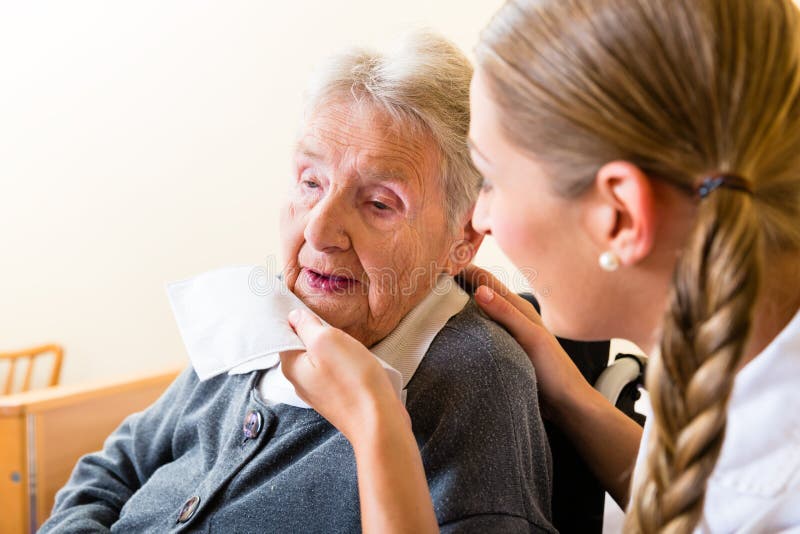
x: 327, y: 282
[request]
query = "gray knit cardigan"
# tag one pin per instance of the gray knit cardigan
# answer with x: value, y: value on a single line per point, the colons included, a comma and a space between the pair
x: 186, y: 463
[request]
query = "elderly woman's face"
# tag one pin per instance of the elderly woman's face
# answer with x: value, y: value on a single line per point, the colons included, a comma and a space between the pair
x: 364, y: 230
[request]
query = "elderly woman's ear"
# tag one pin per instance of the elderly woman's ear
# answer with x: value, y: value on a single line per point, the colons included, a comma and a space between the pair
x: 463, y: 248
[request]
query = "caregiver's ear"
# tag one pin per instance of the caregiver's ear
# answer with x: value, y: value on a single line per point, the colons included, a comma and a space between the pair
x: 464, y: 247
x: 620, y: 213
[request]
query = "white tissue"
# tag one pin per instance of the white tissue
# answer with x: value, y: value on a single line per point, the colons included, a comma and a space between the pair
x: 234, y: 320
x: 226, y: 320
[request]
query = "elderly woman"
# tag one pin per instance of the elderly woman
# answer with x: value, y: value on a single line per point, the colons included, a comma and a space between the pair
x: 376, y: 225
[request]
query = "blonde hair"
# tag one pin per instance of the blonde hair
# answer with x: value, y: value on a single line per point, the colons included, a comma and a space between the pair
x: 423, y: 84
x: 684, y: 89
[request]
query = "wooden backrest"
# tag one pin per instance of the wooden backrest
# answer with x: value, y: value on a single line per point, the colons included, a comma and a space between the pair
x: 44, y: 432
x: 27, y: 358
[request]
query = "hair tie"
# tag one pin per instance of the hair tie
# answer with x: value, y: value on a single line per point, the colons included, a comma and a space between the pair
x: 730, y: 181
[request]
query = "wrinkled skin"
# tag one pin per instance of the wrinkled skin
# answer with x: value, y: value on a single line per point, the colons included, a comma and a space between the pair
x: 364, y: 231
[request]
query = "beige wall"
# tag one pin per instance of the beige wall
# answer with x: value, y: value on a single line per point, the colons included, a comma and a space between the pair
x: 142, y: 142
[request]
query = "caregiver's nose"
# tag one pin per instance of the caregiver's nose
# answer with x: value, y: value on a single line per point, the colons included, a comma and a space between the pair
x: 324, y: 230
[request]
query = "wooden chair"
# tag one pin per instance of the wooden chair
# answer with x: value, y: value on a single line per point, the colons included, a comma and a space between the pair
x: 44, y: 432
x: 29, y: 356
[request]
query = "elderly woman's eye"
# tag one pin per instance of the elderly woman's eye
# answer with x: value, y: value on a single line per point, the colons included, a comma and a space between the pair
x: 377, y: 204
x: 311, y: 184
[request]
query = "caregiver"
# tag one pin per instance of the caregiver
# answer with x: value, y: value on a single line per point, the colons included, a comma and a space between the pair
x: 643, y: 156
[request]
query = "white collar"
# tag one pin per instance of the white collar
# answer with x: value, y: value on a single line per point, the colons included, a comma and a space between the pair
x: 402, y: 350
x: 406, y: 345
x: 234, y: 320
x: 764, y: 416
x: 756, y: 480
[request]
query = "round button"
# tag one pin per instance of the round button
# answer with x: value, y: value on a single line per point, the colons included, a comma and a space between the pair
x: 252, y: 424
x: 188, y: 509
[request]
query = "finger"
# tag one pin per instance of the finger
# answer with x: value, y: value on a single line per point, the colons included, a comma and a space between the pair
x: 525, y: 307
x: 298, y: 368
x: 478, y: 276
x: 474, y: 277
x: 307, y: 326
x: 522, y: 327
x: 290, y: 357
x: 473, y: 274
x: 291, y: 361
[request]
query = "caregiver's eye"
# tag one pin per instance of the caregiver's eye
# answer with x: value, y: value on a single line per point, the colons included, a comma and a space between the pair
x: 486, y: 185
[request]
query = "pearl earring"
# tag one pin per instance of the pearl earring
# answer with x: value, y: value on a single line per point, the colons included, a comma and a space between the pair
x: 609, y: 261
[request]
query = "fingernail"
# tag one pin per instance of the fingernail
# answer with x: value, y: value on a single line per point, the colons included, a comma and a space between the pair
x: 294, y: 316
x: 484, y: 294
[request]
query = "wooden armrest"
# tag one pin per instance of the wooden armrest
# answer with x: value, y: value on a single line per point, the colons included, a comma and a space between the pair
x: 57, y: 396
x: 44, y: 432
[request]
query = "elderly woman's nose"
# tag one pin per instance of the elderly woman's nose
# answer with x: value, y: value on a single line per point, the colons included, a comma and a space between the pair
x: 325, y: 225
x: 480, y: 215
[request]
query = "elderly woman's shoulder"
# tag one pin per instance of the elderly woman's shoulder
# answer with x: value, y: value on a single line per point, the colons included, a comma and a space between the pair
x: 474, y: 373
x: 474, y: 410
x: 472, y: 347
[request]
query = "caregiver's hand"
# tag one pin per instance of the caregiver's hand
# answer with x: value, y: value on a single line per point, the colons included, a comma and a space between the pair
x: 339, y: 377
x: 560, y: 382
x: 344, y: 382
x: 607, y: 439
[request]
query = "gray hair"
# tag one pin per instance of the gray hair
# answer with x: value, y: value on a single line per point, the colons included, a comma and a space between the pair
x: 422, y: 83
